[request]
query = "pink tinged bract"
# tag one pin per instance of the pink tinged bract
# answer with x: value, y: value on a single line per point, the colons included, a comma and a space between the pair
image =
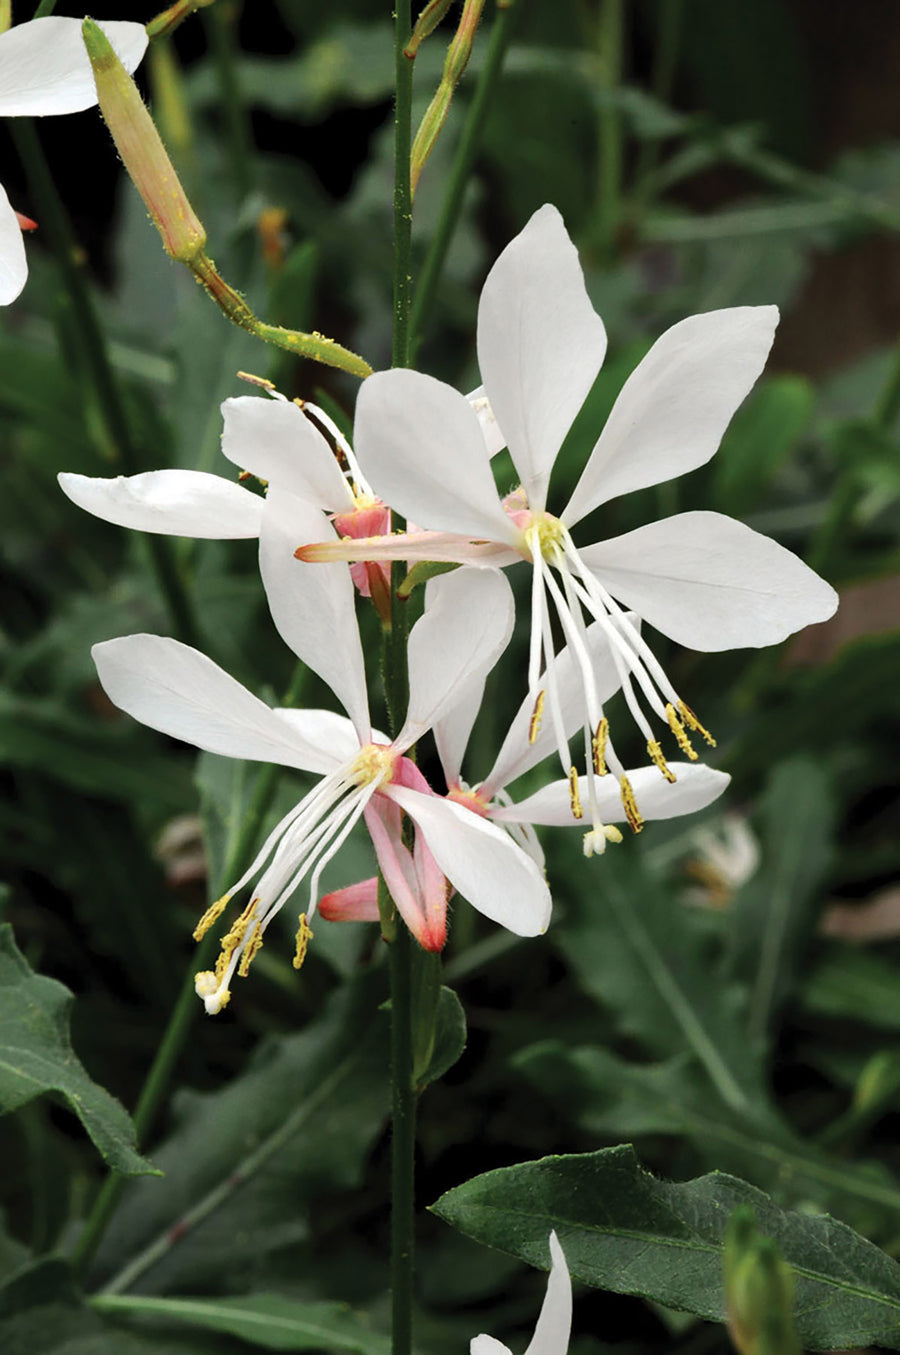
x: 44, y: 66
x: 675, y: 406
x: 170, y: 502
x: 710, y: 582
x: 554, y: 1325
x: 540, y: 346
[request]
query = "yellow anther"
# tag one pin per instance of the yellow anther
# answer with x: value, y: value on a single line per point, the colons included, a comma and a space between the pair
x: 206, y: 985
x: 574, y: 797
x: 251, y: 950
x: 656, y: 757
x: 692, y: 722
x: 680, y: 733
x: 537, y: 714
x: 373, y: 763
x: 598, y: 746
x: 304, y: 936
x: 629, y: 804
x: 262, y: 381
x: 233, y: 938
x: 212, y: 914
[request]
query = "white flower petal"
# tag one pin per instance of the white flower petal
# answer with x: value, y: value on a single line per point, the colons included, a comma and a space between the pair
x: 487, y: 1345
x: 313, y: 606
x: 710, y: 582
x: 517, y: 755
x: 695, y: 787
x: 13, y: 263
x: 551, y: 1335
x: 179, y: 691
x: 172, y: 502
x: 275, y: 441
x: 333, y: 735
x: 481, y: 861
x: 464, y: 629
x: 420, y: 446
x: 494, y: 437
x: 452, y: 731
x: 44, y: 66
x: 540, y: 345
x: 673, y: 409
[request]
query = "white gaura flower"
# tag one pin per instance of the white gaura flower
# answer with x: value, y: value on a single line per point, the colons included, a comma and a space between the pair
x: 44, y: 69
x: 702, y: 579
x: 554, y: 1325
x: 181, y: 692
x: 595, y: 805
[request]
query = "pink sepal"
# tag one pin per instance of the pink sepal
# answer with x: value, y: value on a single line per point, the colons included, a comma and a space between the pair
x: 353, y: 903
x: 416, y: 885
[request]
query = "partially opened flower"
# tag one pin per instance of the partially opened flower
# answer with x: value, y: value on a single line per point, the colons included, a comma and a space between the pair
x: 44, y: 69
x: 703, y: 579
x: 179, y: 691
x: 554, y: 1324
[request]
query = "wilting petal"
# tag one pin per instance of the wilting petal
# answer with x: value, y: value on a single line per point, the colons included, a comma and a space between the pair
x: 551, y: 1335
x: 540, y: 346
x: 481, y: 861
x: 673, y: 409
x: 171, y: 502
x: 276, y: 442
x: 422, y: 450
x: 353, y: 903
x: 180, y: 692
x: 464, y: 629
x: 517, y: 754
x: 710, y: 582
x: 13, y: 264
x: 313, y: 605
x: 695, y: 787
x: 44, y: 66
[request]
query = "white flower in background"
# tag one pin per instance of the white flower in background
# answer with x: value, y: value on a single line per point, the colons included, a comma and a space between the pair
x: 554, y: 1325
x: 181, y: 692
x: 44, y: 69
x: 701, y: 578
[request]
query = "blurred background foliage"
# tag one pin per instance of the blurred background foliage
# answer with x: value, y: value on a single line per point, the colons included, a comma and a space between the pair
x: 722, y: 991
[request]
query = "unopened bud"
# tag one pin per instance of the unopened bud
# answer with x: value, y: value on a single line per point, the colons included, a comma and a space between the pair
x: 170, y: 18
x: 142, y: 151
x: 759, y: 1290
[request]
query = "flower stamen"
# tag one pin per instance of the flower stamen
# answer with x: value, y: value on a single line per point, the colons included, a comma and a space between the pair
x: 574, y: 797
x: 656, y: 757
x: 304, y: 936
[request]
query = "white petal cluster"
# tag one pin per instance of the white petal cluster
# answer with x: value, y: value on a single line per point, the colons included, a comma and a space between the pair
x: 424, y: 450
x: 44, y: 69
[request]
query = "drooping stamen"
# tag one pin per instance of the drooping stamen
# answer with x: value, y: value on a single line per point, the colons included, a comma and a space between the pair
x: 656, y: 757
x: 304, y: 936
x: 534, y: 724
x: 680, y: 733
x: 574, y: 798
x: 212, y: 914
x: 532, y: 539
x: 251, y: 950
x: 692, y: 722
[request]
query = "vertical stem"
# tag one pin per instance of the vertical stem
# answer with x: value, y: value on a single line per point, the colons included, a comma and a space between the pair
x: 609, y: 128
x: 186, y: 1006
x: 219, y: 24
x: 96, y: 360
x: 461, y: 168
x: 403, y: 1097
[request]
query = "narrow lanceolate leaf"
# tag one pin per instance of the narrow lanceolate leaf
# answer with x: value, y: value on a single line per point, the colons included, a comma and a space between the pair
x: 622, y: 1229
x: 36, y: 1057
x: 268, y: 1321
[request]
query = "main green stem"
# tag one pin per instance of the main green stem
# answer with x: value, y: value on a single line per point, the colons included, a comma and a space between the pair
x: 96, y: 360
x: 461, y: 168
x: 186, y: 1007
x: 403, y: 1092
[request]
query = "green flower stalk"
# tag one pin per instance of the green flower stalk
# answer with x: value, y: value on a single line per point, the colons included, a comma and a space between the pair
x: 166, y: 22
x: 458, y: 54
x: 426, y: 23
x: 183, y: 234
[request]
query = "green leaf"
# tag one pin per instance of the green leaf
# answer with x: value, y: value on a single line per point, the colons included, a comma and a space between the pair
x: 639, y: 955
x: 848, y: 983
x: 36, y: 1057
x: 449, y: 1038
x: 268, y: 1320
x: 625, y: 1230
x: 763, y: 434
x: 245, y: 1162
x: 776, y: 911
